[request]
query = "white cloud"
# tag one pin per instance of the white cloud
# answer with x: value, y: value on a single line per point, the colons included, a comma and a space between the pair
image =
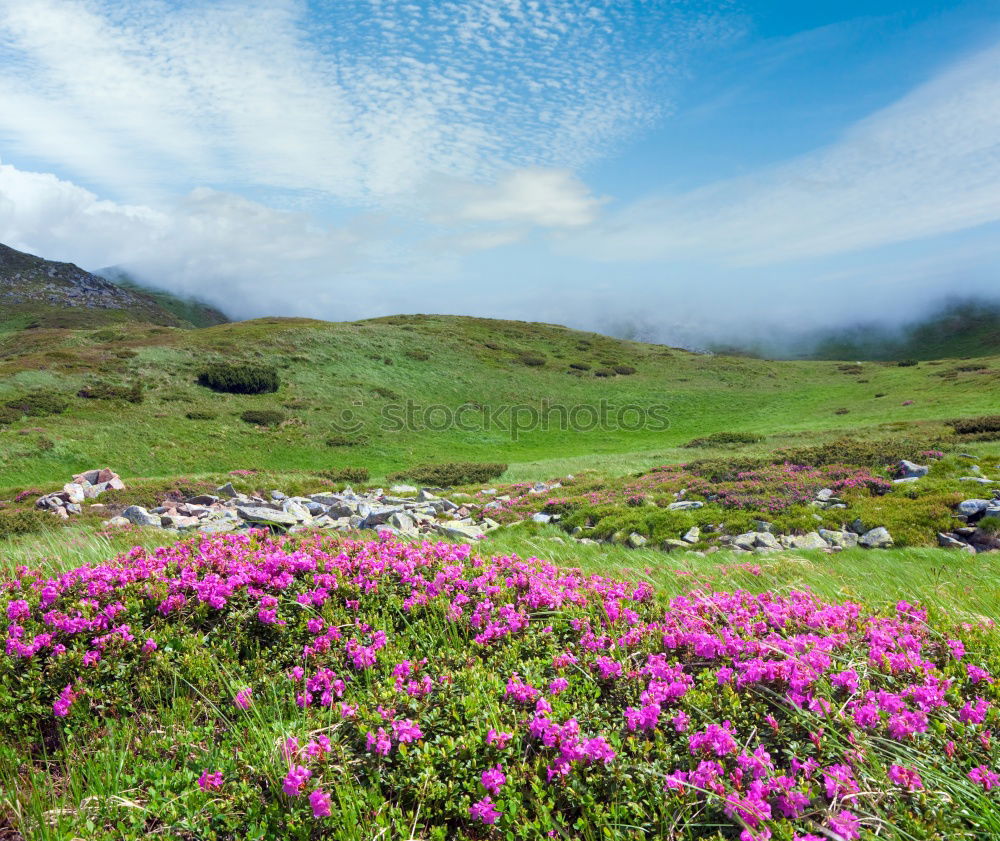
x: 360, y: 101
x: 925, y: 166
x: 545, y: 197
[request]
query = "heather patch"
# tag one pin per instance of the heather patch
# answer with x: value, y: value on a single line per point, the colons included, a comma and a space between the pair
x: 339, y: 688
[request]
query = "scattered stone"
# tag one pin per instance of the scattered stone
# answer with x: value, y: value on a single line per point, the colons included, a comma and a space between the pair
x: 685, y: 505
x: 227, y: 490
x: 982, y: 480
x: 909, y: 470
x: 812, y: 540
x: 541, y: 518
x: 877, y: 538
x: 139, y: 516
x: 839, y: 539
x: 637, y: 541
x: 972, y: 507
x: 266, y: 516
x: 692, y: 535
x: 403, y: 489
x: 670, y: 544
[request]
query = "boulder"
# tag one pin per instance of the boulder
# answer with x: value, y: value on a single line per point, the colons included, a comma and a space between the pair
x: 973, y: 507
x: 637, y: 541
x: 766, y: 540
x: 541, y: 518
x: 227, y: 490
x: 824, y: 495
x: 949, y: 541
x: 260, y: 515
x: 118, y: 522
x: 812, y: 540
x: 839, y: 539
x: 76, y: 492
x: 670, y: 544
x: 982, y: 480
x: 139, y: 516
x: 877, y: 538
x: 403, y: 523
x: 685, y: 505
x: 692, y: 535
x: 909, y: 470
x: 461, y: 532
x: 296, y: 509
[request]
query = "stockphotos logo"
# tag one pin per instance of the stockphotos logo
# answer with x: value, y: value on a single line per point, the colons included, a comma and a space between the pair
x: 513, y: 419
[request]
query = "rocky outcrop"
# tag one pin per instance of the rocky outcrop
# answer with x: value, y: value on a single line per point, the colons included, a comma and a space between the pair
x: 88, y: 485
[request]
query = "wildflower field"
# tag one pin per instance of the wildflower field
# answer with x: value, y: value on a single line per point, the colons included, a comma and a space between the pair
x: 251, y: 686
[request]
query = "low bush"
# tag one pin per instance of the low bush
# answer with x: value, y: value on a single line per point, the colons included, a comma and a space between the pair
x: 418, y: 355
x: 9, y: 415
x: 39, y: 404
x: 580, y: 366
x: 449, y: 474
x: 990, y: 525
x: 531, y: 360
x: 262, y: 417
x: 604, y: 372
x: 722, y: 438
x: 16, y: 521
x: 976, y: 426
x: 347, y: 440
x: 239, y: 379
x: 624, y: 370
x: 907, y: 363
x: 841, y: 411
x: 351, y: 475
x: 870, y: 452
x: 199, y: 415
x: 108, y: 391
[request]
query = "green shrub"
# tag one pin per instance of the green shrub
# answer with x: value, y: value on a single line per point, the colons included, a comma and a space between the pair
x: 262, y: 417
x: 418, y: 355
x: 841, y: 411
x: 8, y: 414
x: 604, y: 372
x: 23, y: 521
x: 347, y: 440
x: 990, y: 525
x: 976, y: 426
x: 351, y: 475
x: 859, y: 451
x: 907, y: 363
x: 624, y: 370
x: 239, y: 379
x: 385, y: 393
x: 108, y: 391
x: 198, y: 415
x: 717, y: 438
x: 531, y: 360
x: 452, y: 473
x: 580, y: 366
x: 39, y: 404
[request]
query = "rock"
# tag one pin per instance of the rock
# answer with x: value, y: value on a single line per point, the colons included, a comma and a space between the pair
x: 877, y: 538
x: 403, y: 523
x: 296, y: 509
x: 692, y: 535
x: 763, y: 525
x: 949, y: 541
x: 982, y: 480
x: 139, y: 516
x: 972, y: 507
x: 541, y: 518
x: 747, y: 540
x: 76, y: 492
x: 265, y: 516
x: 839, y: 539
x: 685, y: 505
x: 202, y: 499
x: 670, y: 544
x: 909, y: 470
x: 586, y: 541
x: 812, y: 540
x: 118, y: 522
x: 824, y: 495
x: 765, y: 540
x: 376, y: 515
x: 637, y: 541
x: 489, y: 524
x: 73, y: 508
x: 403, y: 489
x: 906, y: 480
x: 278, y: 496
x: 227, y: 490
x: 425, y: 495
x: 460, y: 532
x: 857, y: 527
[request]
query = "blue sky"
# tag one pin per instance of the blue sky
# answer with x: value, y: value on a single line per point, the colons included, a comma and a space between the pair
x: 684, y: 169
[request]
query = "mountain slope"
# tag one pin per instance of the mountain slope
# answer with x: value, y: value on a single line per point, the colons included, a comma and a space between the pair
x: 43, y: 293
x: 389, y: 393
x: 193, y: 311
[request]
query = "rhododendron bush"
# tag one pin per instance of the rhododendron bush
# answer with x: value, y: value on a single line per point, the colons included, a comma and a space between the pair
x: 340, y: 686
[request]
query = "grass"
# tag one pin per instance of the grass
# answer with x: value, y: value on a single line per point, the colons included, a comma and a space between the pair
x: 355, y: 379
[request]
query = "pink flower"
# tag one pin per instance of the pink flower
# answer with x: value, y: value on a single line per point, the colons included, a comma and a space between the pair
x: 985, y: 777
x: 493, y: 778
x: 295, y: 780
x: 62, y: 704
x: 380, y: 743
x: 320, y: 802
x: 242, y: 699
x: 499, y: 739
x: 484, y: 810
x: 907, y: 778
x: 209, y: 780
x: 846, y: 825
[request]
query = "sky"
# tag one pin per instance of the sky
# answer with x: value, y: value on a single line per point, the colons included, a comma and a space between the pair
x: 681, y: 171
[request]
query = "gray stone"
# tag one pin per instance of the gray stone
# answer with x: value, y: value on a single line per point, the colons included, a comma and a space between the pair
x: 541, y: 518
x: 857, y: 527
x: 877, y: 538
x: 425, y: 495
x: 586, y: 541
x: 747, y: 540
x: 266, y: 516
x: 459, y: 531
x: 812, y: 540
x: 139, y: 516
x: 296, y: 509
x: 949, y: 541
x: 824, y: 495
x: 763, y: 525
x: 670, y: 544
x: 972, y: 507
x: 202, y: 499
x: 840, y: 539
x: 765, y: 540
x: 278, y: 496
x: 685, y: 505
x: 982, y: 480
x: 692, y: 535
x: 118, y: 522
x: 227, y: 490
x: 637, y: 541
x: 403, y: 489
x: 909, y: 470
x: 76, y: 492
x: 403, y: 523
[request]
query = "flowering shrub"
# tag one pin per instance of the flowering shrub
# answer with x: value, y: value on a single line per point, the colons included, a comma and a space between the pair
x: 477, y: 697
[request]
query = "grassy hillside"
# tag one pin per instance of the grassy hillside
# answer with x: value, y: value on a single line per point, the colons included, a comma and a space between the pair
x: 343, y: 384
x: 191, y: 311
